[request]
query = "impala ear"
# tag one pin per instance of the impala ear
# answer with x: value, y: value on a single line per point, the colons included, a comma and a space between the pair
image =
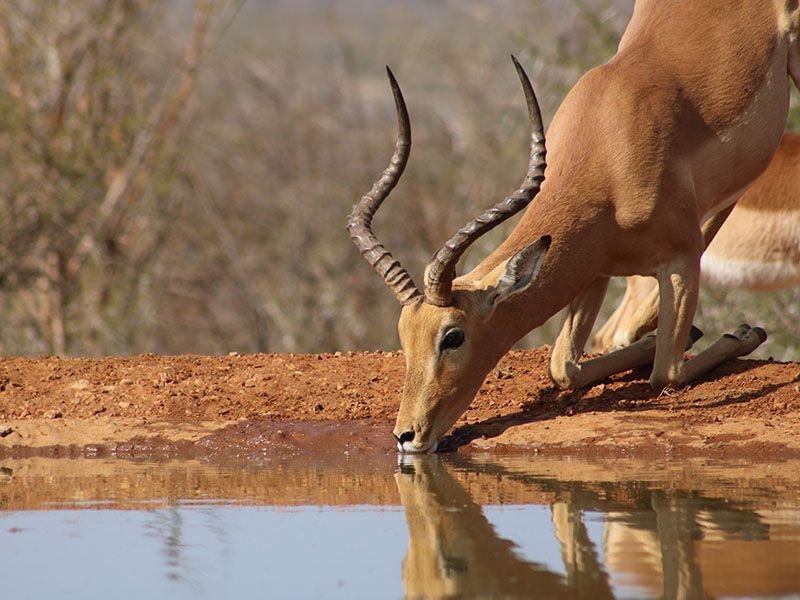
x: 520, y: 270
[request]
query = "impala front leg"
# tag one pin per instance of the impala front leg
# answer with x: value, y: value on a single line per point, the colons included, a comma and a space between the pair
x: 579, y: 318
x: 567, y: 372
x: 679, y: 287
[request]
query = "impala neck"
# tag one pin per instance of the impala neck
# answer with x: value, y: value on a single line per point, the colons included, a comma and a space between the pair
x: 574, y: 260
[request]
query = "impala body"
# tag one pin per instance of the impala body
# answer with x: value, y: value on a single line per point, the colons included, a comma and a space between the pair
x: 644, y: 151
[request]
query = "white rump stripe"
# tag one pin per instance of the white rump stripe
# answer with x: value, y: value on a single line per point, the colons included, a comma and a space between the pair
x: 749, y: 274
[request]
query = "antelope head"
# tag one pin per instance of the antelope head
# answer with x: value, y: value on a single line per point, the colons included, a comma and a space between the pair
x: 448, y: 333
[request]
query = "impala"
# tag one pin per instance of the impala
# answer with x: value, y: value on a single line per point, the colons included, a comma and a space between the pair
x: 644, y: 152
x: 757, y: 249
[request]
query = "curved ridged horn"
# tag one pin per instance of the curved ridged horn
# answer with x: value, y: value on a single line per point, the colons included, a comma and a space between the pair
x: 360, y: 222
x: 441, y: 270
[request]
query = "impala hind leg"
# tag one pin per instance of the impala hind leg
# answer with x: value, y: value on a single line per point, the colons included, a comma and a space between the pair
x: 604, y: 338
x: 678, y: 288
x: 636, y: 316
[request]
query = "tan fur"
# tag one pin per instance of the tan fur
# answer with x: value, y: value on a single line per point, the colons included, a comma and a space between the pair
x: 757, y: 248
x: 642, y: 152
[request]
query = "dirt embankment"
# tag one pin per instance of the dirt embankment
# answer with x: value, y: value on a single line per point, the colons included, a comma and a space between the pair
x: 745, y: 408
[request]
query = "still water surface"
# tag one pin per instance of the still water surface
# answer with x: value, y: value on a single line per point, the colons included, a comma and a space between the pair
x: 372, y: 527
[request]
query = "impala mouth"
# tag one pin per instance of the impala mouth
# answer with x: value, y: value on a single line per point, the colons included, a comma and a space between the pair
x: 412, y: 448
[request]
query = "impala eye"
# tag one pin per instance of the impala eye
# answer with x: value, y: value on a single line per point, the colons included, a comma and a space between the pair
x: 453, y: 339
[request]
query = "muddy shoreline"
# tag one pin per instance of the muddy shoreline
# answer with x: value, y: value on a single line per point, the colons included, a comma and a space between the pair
x: 216, y: 408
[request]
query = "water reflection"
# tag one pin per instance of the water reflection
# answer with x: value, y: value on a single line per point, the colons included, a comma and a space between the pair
x: 487, y: 526
x: 664, y: 543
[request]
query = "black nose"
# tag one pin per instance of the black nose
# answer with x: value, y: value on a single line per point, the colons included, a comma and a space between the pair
x: 406, y: 436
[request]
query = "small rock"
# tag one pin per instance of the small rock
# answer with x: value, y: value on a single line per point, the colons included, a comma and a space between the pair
x: 126, y: 381
x: 53, y: 414
x: 6, y: 432
x: 318, y: 408
x: 81, y: 384
x: 504, y: 374
x: 233, y: 354
x: 84, y: 396
x: 124, y: 404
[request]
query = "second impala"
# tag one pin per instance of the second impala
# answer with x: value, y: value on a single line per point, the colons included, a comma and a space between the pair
x: 644, y: 152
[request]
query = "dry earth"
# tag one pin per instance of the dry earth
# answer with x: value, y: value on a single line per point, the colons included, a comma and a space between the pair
x: 254, y: 404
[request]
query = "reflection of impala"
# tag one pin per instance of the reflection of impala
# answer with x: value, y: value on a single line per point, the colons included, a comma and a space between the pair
x: 758, y: 248
x: 670, y: 544
x: 454, y: 551
x: 646, y: 152
x: 689, y: 547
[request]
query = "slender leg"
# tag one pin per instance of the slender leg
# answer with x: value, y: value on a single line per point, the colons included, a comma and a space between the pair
x: 585, y: 573
x: 565, y: 370
x: 579, y: 318
x: 675, y: 299
x: 644, y: 318
x: 676, y: 523
x: 679, y: 286
x: 604, y: 338
x: 639, y: 354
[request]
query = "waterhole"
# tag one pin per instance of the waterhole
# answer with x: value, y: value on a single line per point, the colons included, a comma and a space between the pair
x: 366, y: 526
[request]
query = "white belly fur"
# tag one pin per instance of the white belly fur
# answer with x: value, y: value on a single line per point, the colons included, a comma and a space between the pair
x: 748, y: 274
x: 755, y: 250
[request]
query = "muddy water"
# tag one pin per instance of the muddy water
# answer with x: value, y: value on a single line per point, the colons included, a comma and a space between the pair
x: 370, y: 526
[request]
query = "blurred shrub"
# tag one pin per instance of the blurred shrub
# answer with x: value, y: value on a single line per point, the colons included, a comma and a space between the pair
x: 176, y: 177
